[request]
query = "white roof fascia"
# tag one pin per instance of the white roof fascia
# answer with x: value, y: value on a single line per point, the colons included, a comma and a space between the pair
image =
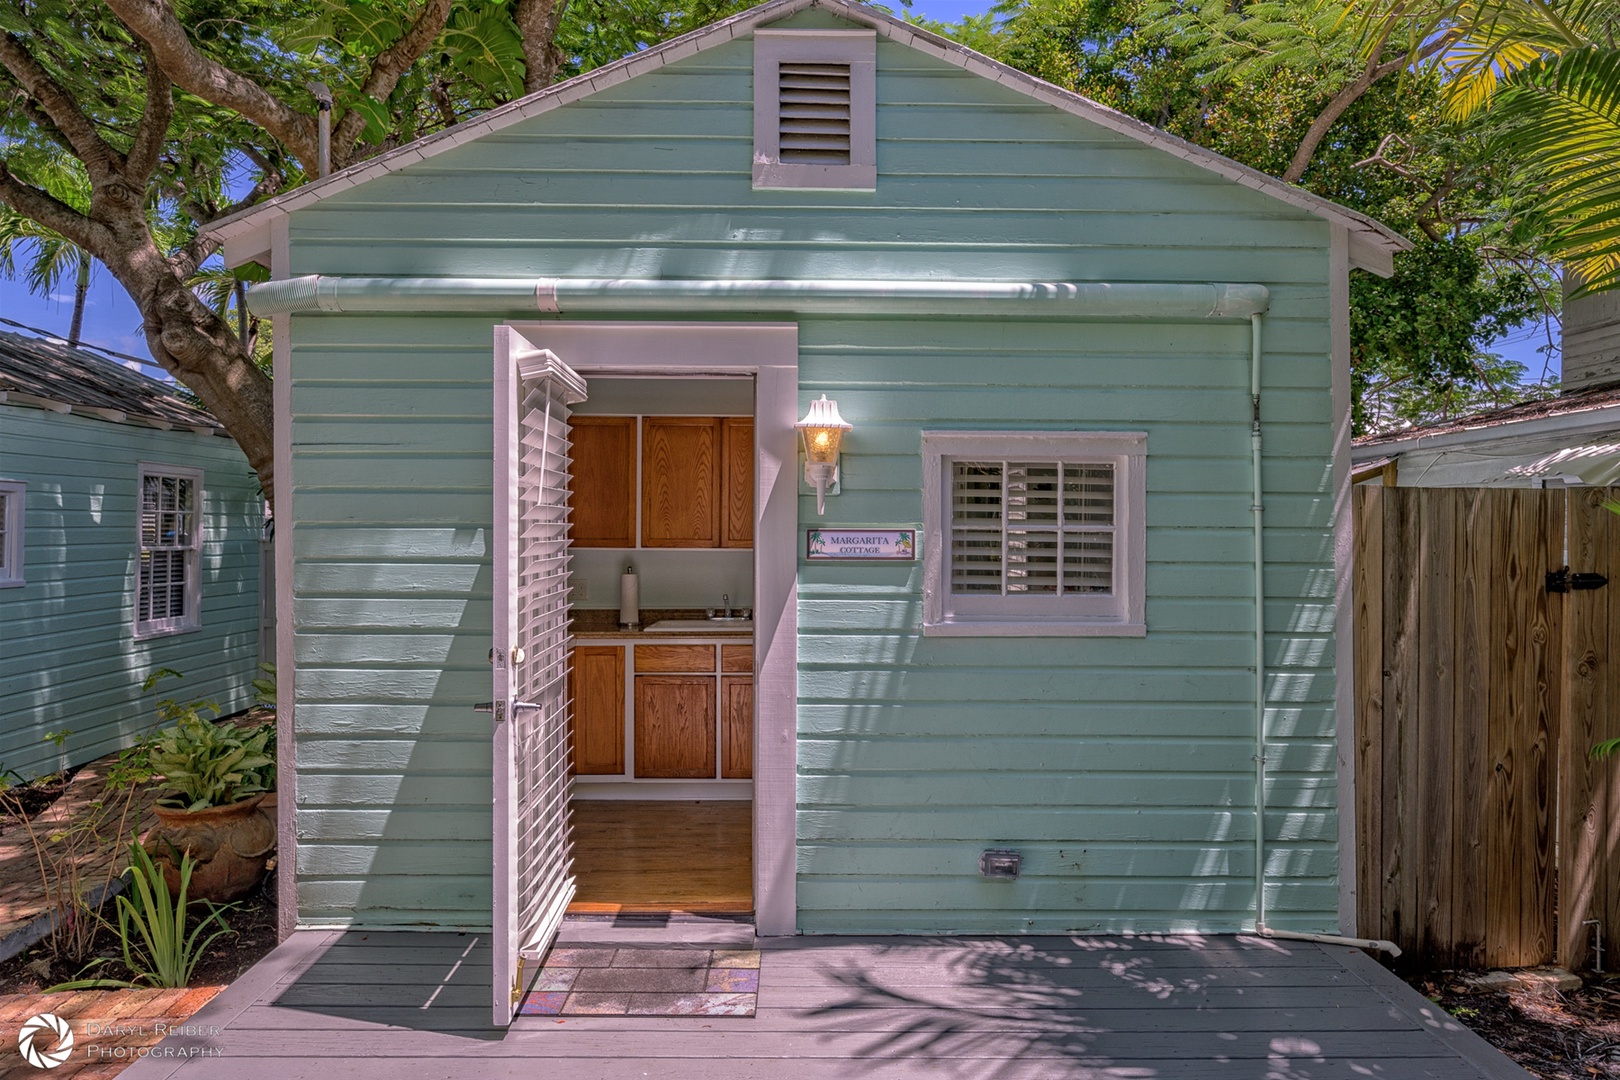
x: 1586, y: 422
x: 1372, y: 244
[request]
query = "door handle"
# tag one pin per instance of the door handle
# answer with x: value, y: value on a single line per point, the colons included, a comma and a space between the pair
x: 489, y: 707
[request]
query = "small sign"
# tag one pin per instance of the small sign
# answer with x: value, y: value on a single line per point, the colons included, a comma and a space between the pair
x: 883, y: 544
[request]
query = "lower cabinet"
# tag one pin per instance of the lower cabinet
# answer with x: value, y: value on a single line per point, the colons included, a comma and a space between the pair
x: 596, y: 688
x: 736, y: 727
x: 659, y: 711
x: 675, y: 726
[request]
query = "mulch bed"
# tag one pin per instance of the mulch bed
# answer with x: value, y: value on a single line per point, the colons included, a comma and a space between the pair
x: 1555, y: 1036
x: 31, y: 798
x: 253, y: 925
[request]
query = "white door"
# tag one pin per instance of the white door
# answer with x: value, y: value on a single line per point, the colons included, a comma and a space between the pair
x: 533, y: 863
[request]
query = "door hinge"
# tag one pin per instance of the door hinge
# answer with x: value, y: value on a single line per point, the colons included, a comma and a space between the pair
x: 1562, y: 581
x: 517, y: 981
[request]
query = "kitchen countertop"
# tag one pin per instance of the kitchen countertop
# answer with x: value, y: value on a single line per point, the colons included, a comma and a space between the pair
x: 604, y: 623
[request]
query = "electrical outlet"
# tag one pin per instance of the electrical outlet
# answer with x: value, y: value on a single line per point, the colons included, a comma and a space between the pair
x: 582, y: 589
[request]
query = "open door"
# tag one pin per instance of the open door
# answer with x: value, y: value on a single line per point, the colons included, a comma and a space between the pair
x: 533, y: 883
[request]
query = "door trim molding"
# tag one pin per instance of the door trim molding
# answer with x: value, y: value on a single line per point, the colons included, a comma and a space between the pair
x: 769, y: 352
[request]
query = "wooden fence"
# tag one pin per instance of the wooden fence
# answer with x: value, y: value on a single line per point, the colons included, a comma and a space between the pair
x: 1486, y: 836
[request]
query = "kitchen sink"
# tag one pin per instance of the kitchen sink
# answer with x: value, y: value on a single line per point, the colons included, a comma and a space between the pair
x: 698, y: 626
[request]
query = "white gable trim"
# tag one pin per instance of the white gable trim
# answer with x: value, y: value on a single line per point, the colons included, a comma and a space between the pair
x: 245, y: 235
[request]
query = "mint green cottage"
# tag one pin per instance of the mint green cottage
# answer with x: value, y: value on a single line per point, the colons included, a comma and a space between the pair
x: 1068, y: 346
x: 129, y: 541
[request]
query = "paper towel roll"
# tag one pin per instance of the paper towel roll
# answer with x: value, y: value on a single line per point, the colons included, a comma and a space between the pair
x: 629, y: 598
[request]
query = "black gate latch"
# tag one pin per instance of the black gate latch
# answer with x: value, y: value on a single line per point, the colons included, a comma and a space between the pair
x: 1564, y: 581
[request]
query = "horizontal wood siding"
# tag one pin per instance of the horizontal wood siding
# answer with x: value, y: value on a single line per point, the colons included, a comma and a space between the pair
x: 68, y: 657
x: 1120, y: 767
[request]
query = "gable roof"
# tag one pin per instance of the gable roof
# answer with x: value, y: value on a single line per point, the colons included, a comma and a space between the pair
x: 246, y: 234
x: 57, y: 377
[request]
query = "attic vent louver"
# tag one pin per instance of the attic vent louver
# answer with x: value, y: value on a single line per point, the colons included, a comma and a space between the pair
x: 813, y: 113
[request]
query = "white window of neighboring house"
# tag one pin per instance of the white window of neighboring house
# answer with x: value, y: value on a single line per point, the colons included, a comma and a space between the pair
x: 815, y: 109
x: 13, y: 506
x: 1037, y: 533
x: 168, y: 594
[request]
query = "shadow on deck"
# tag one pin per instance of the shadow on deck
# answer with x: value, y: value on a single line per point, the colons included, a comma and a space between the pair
x: 330, y: 1004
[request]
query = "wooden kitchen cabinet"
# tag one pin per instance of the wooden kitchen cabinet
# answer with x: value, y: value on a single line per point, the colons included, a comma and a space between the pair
x: 596, y: 715
x: 737, y: 727
x: 737, y: 481
x: 602, y: 483
x: 675, y: 726
x: 680, y: 481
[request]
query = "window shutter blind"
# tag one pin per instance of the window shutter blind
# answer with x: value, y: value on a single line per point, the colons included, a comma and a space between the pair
x: 813, y: 113
x: 1031, y: 528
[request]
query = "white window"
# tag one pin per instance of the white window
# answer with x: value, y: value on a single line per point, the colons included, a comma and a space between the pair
x: 167, y: 588
x: 815, y: 109
x: 1036, y: 533
x: 13, y: 500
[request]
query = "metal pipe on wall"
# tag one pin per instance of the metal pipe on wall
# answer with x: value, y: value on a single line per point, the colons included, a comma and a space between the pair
x: 1257, y: 508
x: 567, y: 296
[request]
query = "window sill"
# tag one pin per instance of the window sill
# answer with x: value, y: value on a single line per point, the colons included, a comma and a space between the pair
x: 1024, y: 628
x: 12, y: 583
x: 165, y: 631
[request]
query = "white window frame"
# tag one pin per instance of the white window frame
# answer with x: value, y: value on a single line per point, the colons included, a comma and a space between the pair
x: 858, y: 49
x: 191, y: 617
x: 14, y: 519
x: 1120, y: 615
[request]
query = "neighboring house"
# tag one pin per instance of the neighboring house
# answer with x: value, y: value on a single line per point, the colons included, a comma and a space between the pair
x: 129, y: 524
x: 1041, y: 318
x: 1569, y: 440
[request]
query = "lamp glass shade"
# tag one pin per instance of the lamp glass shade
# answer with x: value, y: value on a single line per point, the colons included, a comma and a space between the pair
x: 823, y: 430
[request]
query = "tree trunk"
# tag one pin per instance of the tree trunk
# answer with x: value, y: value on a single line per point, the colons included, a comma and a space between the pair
x: 198, y: 347
x: 81, y: 292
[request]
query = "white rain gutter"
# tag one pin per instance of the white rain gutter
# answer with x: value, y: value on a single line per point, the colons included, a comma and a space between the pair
x: 1258, y: 508
x: 568, y: 296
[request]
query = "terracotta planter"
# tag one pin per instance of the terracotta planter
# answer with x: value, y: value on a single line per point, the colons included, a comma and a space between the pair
x: 230, y: 843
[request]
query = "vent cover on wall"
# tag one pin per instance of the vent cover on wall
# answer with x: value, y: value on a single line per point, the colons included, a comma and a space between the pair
x: 813, y: 118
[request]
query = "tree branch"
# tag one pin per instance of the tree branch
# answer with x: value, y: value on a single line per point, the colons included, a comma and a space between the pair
x: 386, y: 70
x: 154, y: 22
x: 537, y: 22
x: 153, y: 130
x: 97, y: 154
x: 1349, y: 94
x: 50, y: 212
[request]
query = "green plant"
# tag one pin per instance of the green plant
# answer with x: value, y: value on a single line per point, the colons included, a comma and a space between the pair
x: 171, y: 711
x: 152, y: 928
x: 204, y: 764
x: 264, y: 687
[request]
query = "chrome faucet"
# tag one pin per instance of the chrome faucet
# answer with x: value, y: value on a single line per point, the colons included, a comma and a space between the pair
x: 725, y: 598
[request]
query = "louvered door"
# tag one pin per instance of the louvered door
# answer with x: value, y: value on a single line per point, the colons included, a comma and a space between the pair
x: 533, y: 881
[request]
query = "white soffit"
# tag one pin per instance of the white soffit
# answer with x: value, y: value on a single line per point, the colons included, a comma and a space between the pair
x: 245, y: 235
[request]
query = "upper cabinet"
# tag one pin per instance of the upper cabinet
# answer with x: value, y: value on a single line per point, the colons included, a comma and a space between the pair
x: 737, y: 482
x: 697, y: 482
x: 680, y: 481
x: 602, y: 489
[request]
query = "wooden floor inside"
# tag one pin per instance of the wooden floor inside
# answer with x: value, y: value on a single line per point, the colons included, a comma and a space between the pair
x: 635, y: 858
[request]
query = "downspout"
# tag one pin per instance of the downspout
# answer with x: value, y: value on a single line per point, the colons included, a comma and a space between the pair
x: 1258, y: 509
x: 568, y: 296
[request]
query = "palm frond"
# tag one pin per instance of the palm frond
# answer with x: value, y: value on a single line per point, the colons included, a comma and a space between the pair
x: 1561, y: 120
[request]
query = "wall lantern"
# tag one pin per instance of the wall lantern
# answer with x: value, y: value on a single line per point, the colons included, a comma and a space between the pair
x: 823, y: 429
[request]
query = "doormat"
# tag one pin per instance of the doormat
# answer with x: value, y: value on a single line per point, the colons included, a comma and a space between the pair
x: 584, y: 981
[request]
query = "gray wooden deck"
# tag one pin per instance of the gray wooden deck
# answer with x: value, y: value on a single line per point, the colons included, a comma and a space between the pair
x: 332, y: 1005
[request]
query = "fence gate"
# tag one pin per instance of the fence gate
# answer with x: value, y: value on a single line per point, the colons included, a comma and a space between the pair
x: 1486, y: 837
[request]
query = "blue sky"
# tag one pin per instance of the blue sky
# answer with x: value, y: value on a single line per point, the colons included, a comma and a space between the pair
x: 112, y: 322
